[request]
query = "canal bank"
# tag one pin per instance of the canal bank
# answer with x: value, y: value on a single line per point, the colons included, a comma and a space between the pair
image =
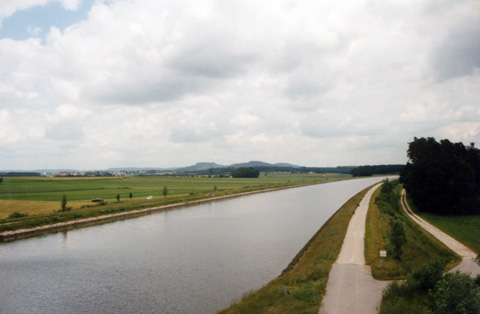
x: 91, y: 221
x: 301, y: 286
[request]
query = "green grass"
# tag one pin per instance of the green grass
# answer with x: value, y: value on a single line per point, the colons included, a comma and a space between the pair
x: 465, y: 229
x: 421, y: 247
x: 39, y: 198
x: 406, y: 297
x: 307, y: 275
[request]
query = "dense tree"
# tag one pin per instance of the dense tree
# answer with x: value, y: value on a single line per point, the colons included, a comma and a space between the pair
x: 165, y: 191
x: 131, y: 195
x: 118, y: 197
x: 245, y: 172
x: 1, y: 180
x: 443, y: 177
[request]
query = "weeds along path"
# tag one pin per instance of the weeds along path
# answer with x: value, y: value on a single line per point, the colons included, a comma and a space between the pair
x: 468, y: 264
x: 351, y: 287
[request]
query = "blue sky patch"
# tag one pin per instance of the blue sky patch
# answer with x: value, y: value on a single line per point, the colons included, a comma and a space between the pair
x: 36, y: 21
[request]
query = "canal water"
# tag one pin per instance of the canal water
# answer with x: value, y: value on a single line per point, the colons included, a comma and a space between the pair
x: 195, y: 259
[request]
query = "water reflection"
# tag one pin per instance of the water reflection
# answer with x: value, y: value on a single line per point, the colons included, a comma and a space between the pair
x: 191, y: 260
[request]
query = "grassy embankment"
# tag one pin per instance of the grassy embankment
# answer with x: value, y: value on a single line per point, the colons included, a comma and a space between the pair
x: 417, y: 293
x: 420, y: 247
x: 39, y: 198
x: 306, y: 277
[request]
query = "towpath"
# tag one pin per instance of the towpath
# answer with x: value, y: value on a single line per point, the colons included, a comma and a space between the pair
x: 351, y: 287
x: 468, y: 264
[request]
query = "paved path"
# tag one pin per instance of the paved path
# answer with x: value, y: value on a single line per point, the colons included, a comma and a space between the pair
x: 351, y: 287
x: 468, y: 265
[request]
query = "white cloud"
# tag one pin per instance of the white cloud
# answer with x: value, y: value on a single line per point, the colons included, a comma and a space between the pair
x: 169, y: 83
x: 9, y: 7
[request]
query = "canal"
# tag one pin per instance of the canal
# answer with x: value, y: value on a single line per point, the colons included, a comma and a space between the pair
x: 195, y: 259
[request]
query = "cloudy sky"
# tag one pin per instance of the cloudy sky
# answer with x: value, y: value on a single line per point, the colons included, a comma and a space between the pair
x: 93, y: 84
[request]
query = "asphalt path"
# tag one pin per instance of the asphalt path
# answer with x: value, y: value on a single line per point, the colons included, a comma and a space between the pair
x: 351, y: 287
x: 468, y: 264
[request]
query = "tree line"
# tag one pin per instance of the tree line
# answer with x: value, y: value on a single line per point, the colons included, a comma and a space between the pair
x: 368, y: 171
x: 443, y: 177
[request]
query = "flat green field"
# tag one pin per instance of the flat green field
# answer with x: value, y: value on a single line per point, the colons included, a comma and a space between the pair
x: 41, y: 196
x: 465, y: 228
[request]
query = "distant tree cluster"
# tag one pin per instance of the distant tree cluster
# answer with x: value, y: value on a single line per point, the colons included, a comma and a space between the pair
x: 443, y: 177
x: 245, y: 172
x: 20, y: 174
x: 367, y: 171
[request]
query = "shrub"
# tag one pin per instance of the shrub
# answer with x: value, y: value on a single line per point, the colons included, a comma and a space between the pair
x: 427, y: 276
x: 17, y: 215
x: 456, y: 293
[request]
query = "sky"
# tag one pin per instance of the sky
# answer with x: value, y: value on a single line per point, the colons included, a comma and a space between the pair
x: 94, y: 84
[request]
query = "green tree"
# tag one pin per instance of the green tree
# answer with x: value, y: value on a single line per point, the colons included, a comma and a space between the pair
x: 245, y: 172
x: 118, y: 197
x: 165, y: 191
x: 131, y: 195
x: 63, y: 203
x: 1, y: 180
x: 387, y: 186
x: 426, y: 277
x: 443, y: 177
x: 456, y: 293
x: 396, y: 237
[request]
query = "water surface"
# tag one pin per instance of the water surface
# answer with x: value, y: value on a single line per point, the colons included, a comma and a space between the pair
x: 190, y: 260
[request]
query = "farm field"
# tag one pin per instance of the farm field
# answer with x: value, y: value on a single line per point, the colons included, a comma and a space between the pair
x: 41, y: 197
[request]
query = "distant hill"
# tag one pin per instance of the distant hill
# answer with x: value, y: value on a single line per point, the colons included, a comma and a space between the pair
x: 200, y: 166
x: 284, y: 164
x: 137, y: 169
x: 252, y: 164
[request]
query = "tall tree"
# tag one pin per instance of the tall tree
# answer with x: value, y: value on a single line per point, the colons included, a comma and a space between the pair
x: 63, y: 203
x: 442, y: 177
x: 397, y: 237
x: 165, y: 191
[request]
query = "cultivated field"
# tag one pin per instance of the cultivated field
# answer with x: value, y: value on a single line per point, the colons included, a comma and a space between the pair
x: 41, y: 197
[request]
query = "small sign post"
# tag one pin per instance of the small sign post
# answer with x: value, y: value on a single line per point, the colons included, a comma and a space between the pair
x: 383, y: 254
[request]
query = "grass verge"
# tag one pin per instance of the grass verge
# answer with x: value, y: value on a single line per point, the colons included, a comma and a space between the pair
x: 420, y: 247
x: 306, y: 277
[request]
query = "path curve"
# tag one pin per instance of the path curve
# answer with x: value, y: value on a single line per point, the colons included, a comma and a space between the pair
x: 351, y: 287
x: 468, y: 264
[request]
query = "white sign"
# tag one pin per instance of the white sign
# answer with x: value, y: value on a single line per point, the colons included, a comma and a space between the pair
x: 383, y: 253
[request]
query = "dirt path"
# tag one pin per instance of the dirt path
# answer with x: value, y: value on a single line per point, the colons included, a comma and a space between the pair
x: 351, y: 287
x: 467, y: 265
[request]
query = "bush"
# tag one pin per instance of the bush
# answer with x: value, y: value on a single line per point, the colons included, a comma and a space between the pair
x: 427, y: 276
x: 400, y: 306
x: 456, y: 293
x: 395, y: 290
x: 17, y: 215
